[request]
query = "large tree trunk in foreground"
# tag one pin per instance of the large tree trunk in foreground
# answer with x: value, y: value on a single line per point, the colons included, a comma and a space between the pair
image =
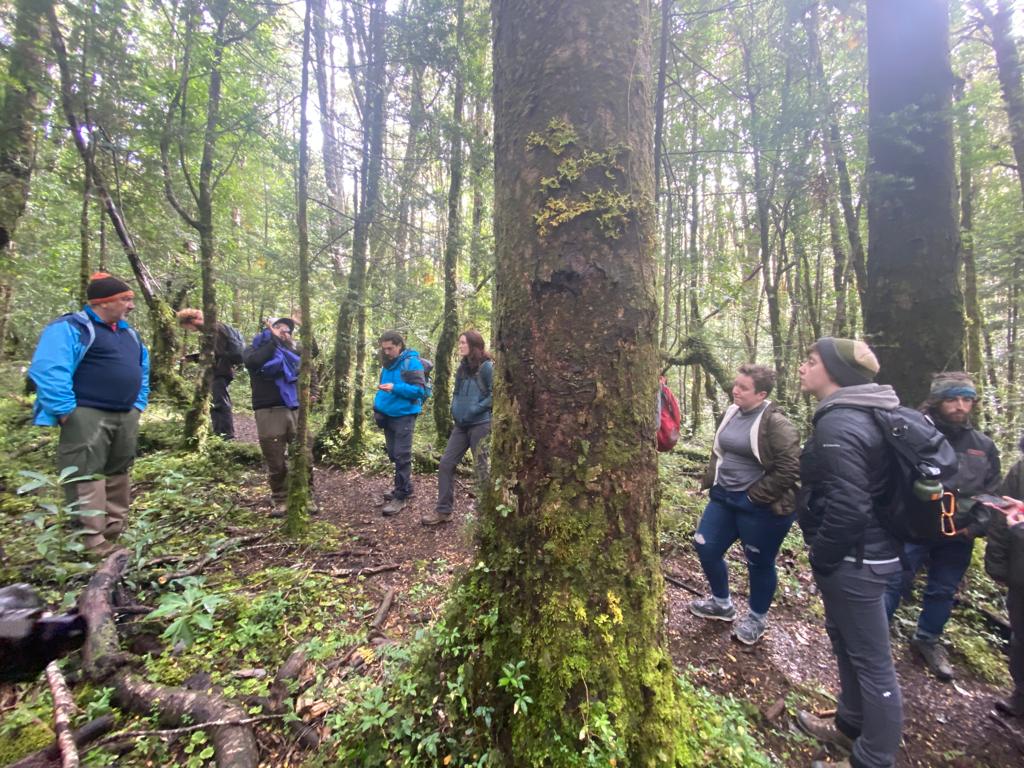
x: 568, y: 530
x: 915, y: 325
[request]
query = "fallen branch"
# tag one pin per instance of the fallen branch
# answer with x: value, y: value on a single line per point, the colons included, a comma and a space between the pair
x: 63, y: 706
x: 294, y: 677
x: 678, y: 582
x: 89, y: 732
x: 344, y: 573
x: 383, y: 610
x: 200, y: 565
x: 35, y: 445
x: 164, y: 732
x: 103, y: 663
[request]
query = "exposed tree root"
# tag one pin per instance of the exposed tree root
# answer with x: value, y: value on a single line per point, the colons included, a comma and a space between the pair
x: 234, y: 744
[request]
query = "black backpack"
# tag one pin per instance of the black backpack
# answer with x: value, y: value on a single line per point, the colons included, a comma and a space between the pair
x: 916, y: 505
x: 234, y: 344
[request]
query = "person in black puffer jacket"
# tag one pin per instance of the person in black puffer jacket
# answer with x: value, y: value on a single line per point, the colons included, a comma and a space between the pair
x: 843, y: 469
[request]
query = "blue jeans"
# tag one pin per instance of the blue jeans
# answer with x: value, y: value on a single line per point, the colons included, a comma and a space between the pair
x: 948, y: 561
x: 729, y: 516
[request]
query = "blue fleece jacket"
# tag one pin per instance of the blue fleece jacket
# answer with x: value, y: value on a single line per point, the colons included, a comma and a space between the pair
x: 410, y: 387
x: 62, y: 346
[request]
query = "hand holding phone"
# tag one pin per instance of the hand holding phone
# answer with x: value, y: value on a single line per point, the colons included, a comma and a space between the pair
x: 997, y: 502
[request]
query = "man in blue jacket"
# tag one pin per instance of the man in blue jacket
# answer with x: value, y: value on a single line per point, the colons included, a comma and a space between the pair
x: 91, y: 372
x: 399, y: 399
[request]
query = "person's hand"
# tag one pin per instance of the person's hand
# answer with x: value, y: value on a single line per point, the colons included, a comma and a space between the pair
x: 64, y: 418
x: 385, y: 387
x: 1014, y: 511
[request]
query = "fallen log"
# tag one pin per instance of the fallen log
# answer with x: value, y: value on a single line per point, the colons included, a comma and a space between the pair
x: 345, y: 573
x: 383, y: 610
x: 103, y: 663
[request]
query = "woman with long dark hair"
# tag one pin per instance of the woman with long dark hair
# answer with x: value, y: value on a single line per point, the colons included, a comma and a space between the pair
x: 471, y: 412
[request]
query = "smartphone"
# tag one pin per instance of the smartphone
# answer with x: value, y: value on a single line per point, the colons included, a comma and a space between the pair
x: 992, y: 501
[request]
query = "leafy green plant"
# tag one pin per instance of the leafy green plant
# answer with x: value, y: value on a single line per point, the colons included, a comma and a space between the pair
x: 58, y: 534
x: 192, y: 611
x: 513, y: 680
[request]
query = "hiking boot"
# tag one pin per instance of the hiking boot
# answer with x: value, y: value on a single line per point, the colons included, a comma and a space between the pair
x: 824, y: 730
x: 1012, y: 706
x: 830, y: 764
x: 389, y: 495
x: 393, y: 507
x: 708, y: 608
x: 935, y: 657
x: 750, y: 628
x: 435, y: 517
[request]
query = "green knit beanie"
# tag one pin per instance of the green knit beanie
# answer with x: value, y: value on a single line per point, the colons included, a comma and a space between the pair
x: 848, y: 361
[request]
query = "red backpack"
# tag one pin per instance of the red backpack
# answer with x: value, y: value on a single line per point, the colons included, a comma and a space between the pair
x: 669, y: 420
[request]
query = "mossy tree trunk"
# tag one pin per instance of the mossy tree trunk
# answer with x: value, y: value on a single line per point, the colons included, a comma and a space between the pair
x: 299, y: 490
x: 19, y: 117
x: 915, y: 326
x: 374, y: 116
x: 570, y: 582
x: 164, y: 351
x: 453, y: 243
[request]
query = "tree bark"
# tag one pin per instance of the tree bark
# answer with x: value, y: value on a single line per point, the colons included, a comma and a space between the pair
x: 19, y: 116
x: 164, y: 351
x: 373, y: 153
x: 453, y: 244
x: 1008, y: 64
x: 915, y: 326
x: 568, y: 528
x: 300, y: 494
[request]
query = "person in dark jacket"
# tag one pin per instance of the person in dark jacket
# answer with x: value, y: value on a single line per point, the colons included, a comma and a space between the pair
x: 1004, y: 562
x: 221, y: 418
x: 273, y: 364
x: 471, y: 412
x: 399, y: 400
x: 91, y: 372
x: 843, y: 469
x: 752, y: 477
x: 949, y: 405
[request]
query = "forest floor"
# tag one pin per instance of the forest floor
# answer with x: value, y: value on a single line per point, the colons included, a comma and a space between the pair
x: 332, y: 583
x: 947, y: 724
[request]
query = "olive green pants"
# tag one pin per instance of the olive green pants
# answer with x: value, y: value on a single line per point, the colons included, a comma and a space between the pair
x: 99, y: 443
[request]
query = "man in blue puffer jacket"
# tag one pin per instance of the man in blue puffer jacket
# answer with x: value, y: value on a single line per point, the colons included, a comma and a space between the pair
x: 91, y: 372
x: 399, y: 399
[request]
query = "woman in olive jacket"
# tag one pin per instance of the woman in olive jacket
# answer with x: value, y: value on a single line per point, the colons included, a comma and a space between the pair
x: 752, y: 477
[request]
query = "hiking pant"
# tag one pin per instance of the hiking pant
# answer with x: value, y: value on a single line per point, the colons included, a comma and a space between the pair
x: 1015, y: 608
x: 870, y: 709
x: 398, y: 441
x: 731, y: 515
x: 99, y: 443
x: 948, y: 561
x: 462, y: 439
x: 276, y: 429
x: 222, y: 420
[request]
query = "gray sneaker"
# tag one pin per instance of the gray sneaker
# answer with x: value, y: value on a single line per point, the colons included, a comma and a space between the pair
x: 823, y: 730
x: 708, y: 608
x: 935, y: 657
x: 750, y: 629
x: 393, y: 507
